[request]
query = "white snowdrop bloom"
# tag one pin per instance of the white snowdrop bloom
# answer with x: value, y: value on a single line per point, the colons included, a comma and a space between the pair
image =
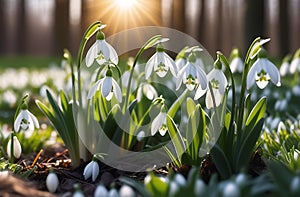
x: 241, y: 179
x: 296, y: 155
x: 126, y: 191
x: 180, y: 62
x: 193, y: 77
x: 17, y: 148
x: 101, y: 51
x: 296, y: 90
x: 159, y: 124
x: 199, y: 188
x: 26, y: 121
x: 108, y: 87
x: 113, y: 193
x: 281, y: 127
x: 295, y: 184
x: 261, y: 72
x: 91, y: 170
x: 179, y: 179
x: 236, y: 65
x: 257, y: 47
x: 100, y: 191
x: 295, y: 64
x: 160, y: 63
x: 173, y: 188
x: 231, y: 190
x: 218, y: 83
x: 148, y: 90
x: 9, y: 97
x: 140, y: 136
x: 52, y: 181
x: 284, y: 69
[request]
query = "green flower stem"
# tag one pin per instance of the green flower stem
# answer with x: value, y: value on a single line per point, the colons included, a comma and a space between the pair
x: 92, y: 29
x: 152, y: 41
x: 243, y: 87
x: 68, y: 57
x: 225, y: 62
x: 12, y: 156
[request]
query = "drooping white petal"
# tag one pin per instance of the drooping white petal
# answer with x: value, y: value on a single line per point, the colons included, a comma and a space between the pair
x: 149, y: 66
x: 106, y: 86
x: 113, y: 56
x: 100, y: 191
x: 17, y: 148
x: 180, y: 75
x: 149, y: 91
x: 117, y: 90
x: 52, y: 182
x: 34, y: 120
x: 209, y: 99
x: 157, y: 122
x: 140, y: 136
x: 113, y: 193
x: 272, y: 70
x: 139, y: 94
x: 94, y: 88
x: 252, y: 74
x: 295, y: 65
x: 95, y: 172
x: 236, y: 65
x: 87, y: 173
x: 102, y: 52
x: 126, y: 191
x: 109, y: 96
x: 180, y: 63
x: 18, y: 120
x: 91, y: 55
x: 171, y: 64
x: 218, y: 75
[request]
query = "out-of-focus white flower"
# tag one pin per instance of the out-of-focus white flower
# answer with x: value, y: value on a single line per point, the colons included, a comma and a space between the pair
x: 179, y: 179
x: 281, y: 127
x: 218, y: 83
x: 113, y: 193
x: 108, y: 87
x: 9, y: 97
x: 91, y: 170
x: 281, y: 105
x: 295, y: 185
x: 146, y: 89
x: 193, y: 77
x: 159, y: 124
x: 52, y: 181
x: 173, y: 188
x: 284, y: 68
x: 241, y: 179
x: 78, y: 193
x: 140, y: 136
x: 161, y: 63
x: 236, y: 64
x: 295, y: 64
x: 17, y: 148
x: 101, y: 51
x: 199, y: 188
x: 126, y: 191
x: 261, y: 72
x: 100, y: 191
x: 26, y: 121
x: 231, y: 190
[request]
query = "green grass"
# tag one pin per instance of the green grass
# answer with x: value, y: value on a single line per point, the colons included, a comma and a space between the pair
x: 27, y: 61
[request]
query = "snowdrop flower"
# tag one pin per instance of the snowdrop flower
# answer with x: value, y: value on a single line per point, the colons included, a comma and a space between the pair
x: 181, y: 58
x: 113, y: 193
x: 126, y: 191
x: 193, y: 77
x: 285, y: 66
x: 140, y: 136
x: 108, y: 87
x: 295, y: 184
x: 52, y: 181
x: 78, y: 192
x: 295, y: 64
x: 218, y: 83
x: 179, y: 179
x: 101, y: 51
x: 26, y: 121
x: 148, y: 90
x: 281, y: 127
x: 159, y: 124
x: 236, y: 64
x: 173, y: 188
x: 262, y: 71
x: 199, y: 188
x: 100, y: 191
x: 231, y: 190
x: 161, y: 63
x: 17, y: 148
x: 91, y: 170
x: 257, y: 47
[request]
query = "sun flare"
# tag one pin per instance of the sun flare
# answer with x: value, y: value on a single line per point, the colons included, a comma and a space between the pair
x: 126, y: 4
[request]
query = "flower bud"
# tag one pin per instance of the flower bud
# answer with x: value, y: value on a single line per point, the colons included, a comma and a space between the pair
x: 17, y: 148
x: 52, y: 181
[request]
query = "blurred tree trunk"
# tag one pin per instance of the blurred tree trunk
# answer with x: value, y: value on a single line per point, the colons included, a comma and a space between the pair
x: 21, y: 28
x: 219, y: 26
x: 254, y: 24
x: 284, y: 27
x: 61, y: 26
x: 178, y: 15
x: 2, y: 25
x: 202, y: 24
